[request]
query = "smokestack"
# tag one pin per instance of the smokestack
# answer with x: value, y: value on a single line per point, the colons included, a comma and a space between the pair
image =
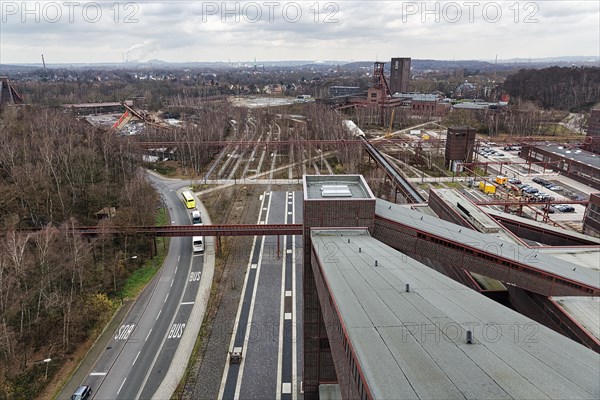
x: 43, y: 62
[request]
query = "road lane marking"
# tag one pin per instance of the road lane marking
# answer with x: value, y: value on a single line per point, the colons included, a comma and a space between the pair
x: 239, y: 312
x: 253, y: 266
x: 286, y: 388
x: 162, y: 343
x: 294, y: 325
x: 288, y: 293
x: 178, y: 258
x: 166, y: 298
x: 148, y: 335
x: 187, y: 303
x: 98, y: 374
x: 172, y: 280
x: 288, y: 315
x: 121, y: 387
x: 136, y: 357
x: 251, y: 311
x: 159, y: 311
x: 281, y: 325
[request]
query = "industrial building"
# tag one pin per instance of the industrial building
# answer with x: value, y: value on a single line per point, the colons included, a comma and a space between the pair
x: 593, y: 132
x: 580, y: 165
x: 335, y: 91
x: 460, y: 145
x: 591, y: 220
x: 379, y: 320
x: 399, y: 75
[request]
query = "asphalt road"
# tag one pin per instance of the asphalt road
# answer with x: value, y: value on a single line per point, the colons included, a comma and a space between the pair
x: 268, y: 324
x: 141, y: 350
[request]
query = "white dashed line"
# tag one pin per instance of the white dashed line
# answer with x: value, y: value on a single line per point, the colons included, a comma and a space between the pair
x: 121, y: 387
x: 166, y: 297
x: 148, y: 335
x: 286, y: 388
x: 288, y: 315
x: 159, y: 311
x: 288, y: 293
x: 98, y: 374
x: 136, y: 357
x: 187, y: 303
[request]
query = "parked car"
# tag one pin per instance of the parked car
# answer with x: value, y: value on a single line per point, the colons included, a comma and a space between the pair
x: 555, y: 188
x: 531, y: 190
x: 514, y: 181
x: 565, y: 208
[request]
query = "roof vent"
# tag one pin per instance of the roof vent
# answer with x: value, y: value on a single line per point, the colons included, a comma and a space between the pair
x: 407, y: 288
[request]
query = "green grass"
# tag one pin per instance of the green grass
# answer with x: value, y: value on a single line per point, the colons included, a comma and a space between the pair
x: 455, y: 185
x: 140, y: 277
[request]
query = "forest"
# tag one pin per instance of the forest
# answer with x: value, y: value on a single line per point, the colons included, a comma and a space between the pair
x: 57, y: 288
x: 559, y: 88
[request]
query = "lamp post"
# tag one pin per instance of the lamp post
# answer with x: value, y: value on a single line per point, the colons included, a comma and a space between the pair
x: 47, y: 361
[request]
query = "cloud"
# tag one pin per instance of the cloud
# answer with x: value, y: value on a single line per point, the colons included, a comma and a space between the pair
x: 343, y: 29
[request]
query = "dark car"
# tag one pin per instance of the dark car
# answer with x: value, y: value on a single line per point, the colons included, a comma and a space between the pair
x: 82, y: 393
x: 566, y: 209
x: 531, y: 190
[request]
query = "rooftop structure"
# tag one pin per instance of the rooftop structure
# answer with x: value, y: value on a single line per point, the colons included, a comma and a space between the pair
x: 344, y: 186
x: 535, y: 264
x: 388, y: 338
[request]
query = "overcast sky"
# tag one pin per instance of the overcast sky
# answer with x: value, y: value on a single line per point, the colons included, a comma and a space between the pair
x: 175, y: 31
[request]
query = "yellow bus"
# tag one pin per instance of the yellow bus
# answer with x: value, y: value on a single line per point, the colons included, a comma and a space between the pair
x: 188, y: 200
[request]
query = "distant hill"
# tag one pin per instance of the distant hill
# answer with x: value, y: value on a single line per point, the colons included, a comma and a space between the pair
x: 417, y: 64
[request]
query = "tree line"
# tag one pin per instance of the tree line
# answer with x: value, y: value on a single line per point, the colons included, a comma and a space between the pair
x: 56, y: 287
x: 556, y: 87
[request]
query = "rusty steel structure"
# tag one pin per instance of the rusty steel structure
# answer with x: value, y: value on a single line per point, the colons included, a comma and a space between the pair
x: 189, y: 230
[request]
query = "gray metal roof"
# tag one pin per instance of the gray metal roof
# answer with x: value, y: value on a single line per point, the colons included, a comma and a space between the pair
x: 319, y: 187
x: 477, y: 216
x: 584, y: 310
x: 490, y: 242
x: 582, y: 156
x: 539, y: 224
x: 412, y: 345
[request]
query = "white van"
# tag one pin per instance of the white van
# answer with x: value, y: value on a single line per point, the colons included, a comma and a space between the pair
x: 198, y: 244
